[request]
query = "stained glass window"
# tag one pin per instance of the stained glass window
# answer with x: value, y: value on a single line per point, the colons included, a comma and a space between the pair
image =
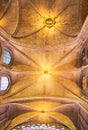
x: 41, y: 127
x: 4, y: 83
x: 6, y: 57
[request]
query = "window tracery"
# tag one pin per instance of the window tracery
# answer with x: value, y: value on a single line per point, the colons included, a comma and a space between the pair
x: 4, y: 83
x: 7, y: 57
x: 41, y: 127
x: 84, y: 57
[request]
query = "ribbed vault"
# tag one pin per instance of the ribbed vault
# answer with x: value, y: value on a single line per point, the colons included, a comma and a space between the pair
x: 44, y: 62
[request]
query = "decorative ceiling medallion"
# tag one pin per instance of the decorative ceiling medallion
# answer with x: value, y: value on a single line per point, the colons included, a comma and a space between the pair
x: 49, y: 22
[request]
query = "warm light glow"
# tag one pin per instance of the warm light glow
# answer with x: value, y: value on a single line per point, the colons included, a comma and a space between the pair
x: 46, y: 74
x: 43, y: 117
x: 45, y: 71
x: 49, y: 22
x: 46, y: 67
x: 3, y: 22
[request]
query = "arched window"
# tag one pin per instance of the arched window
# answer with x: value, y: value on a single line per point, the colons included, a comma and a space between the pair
x: 4, y: 83
x: 84, y: 56
x: 6, y: 57
x: 0, y: 49
x: 41, y: 127
x: 85, y: 85
x: 85, y: 82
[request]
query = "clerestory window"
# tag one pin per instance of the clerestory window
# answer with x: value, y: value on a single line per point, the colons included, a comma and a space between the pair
x: 7, y: 57
x: 4, y: 84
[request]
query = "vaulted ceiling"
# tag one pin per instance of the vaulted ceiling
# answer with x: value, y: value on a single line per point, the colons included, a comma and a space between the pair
x: 28, y: 21
x: 44, y: 62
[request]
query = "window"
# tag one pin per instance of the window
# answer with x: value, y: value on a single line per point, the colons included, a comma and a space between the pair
x: 4, y: 83
x: 85, y: 82
x: 0, y: 49
x: 84, y: 56
x: 41, y: 127
x: 6, y: 57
